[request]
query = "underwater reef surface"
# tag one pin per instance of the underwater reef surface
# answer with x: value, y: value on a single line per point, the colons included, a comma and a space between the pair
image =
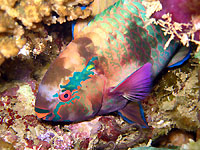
x: 173, y: 103
x: 171, y: 110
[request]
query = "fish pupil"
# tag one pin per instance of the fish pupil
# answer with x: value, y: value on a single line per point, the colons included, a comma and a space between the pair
x: 66, y: 95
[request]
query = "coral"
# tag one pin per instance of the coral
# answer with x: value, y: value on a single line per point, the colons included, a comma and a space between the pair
x: 19, y: 123
x: 180, y: 21
x: 180, y: 13
x: 32, y: 12
x: 111, y: 132
x: 179, y: 137
x: 22, y: 24
x: 11, y: 39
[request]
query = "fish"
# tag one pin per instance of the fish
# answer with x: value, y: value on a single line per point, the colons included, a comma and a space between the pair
x: 108, y: 67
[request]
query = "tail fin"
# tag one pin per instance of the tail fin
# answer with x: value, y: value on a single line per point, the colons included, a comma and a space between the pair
x: 180, y: 57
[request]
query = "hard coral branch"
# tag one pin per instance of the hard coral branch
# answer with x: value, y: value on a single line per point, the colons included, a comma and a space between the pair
x: 21, y: 18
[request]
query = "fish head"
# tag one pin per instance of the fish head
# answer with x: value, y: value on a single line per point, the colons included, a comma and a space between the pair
x: 71, y: 90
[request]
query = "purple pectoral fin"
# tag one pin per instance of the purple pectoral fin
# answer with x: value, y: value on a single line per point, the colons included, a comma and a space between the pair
x: 133, y: 113
x: 137, y: 86
x: 134, y: 88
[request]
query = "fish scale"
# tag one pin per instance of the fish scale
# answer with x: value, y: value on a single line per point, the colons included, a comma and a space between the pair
x: 125, y: 9
x: 109, y: 66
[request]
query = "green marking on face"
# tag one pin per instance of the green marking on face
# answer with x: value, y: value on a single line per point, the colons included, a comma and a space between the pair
x: 55, y: 111
x: 78, y: 77
x: 56, y: 95
x: 72, y: 85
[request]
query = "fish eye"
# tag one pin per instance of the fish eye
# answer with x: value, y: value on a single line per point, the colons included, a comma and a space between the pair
x: 65, y: 96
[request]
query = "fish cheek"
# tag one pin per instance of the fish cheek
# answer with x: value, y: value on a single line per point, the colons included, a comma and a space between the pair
x: 72, y: 112
x: 63, y: 112
x: 86, y: 103
x: 93, y: 94
x: 42, y: 102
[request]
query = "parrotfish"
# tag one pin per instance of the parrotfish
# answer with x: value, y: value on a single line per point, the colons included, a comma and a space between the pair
x: 109, y: 66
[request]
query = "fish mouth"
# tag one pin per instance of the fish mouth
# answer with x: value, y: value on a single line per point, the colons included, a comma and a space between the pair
x: 41, y: 113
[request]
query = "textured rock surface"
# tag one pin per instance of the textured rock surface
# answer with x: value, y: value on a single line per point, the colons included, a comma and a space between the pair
x: 174, y: 101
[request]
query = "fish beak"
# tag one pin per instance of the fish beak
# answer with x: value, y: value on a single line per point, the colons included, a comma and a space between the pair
x: 41, y: 113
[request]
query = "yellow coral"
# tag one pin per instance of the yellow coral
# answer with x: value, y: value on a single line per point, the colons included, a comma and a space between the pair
x: 11, y: 37
x: 33, y: 14
x: 34, y: 11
